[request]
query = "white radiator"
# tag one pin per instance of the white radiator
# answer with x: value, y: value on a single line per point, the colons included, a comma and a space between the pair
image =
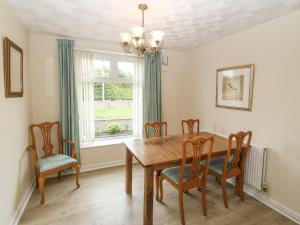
x: 255, y: 169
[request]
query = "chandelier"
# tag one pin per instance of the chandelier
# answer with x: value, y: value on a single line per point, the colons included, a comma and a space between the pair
x: 136, y: 41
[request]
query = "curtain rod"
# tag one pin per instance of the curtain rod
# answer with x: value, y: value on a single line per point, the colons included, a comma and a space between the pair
x: 108, y: 52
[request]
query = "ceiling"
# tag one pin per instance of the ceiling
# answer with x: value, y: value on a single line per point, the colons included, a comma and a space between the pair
x: 186, y: 23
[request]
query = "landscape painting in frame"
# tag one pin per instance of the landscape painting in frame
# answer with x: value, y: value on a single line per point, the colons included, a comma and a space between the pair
x: 234, y: 87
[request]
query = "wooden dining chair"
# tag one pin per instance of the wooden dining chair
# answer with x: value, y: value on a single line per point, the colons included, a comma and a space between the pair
x: 51, y: 163
x: 190, y: 124
x: 188, y: 176
x: 155, y: 129
x: 233, y: 164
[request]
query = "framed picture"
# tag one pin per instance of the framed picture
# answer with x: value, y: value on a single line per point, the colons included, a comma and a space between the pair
x: 13, y: 69
x: 234, y: 87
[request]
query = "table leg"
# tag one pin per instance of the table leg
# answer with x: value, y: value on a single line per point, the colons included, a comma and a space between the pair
x: 128, y: 175
x: 148, y: 196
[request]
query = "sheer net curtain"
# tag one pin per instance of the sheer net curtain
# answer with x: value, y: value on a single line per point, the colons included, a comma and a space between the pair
x: 85, y: 92
x: 85, y: 89
x: 138, y: 84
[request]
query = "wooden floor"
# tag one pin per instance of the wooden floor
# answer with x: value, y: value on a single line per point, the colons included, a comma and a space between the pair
x: 101, y: 200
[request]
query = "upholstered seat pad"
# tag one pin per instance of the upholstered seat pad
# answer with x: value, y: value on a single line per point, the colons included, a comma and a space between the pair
x: 216, y: 164
x: 173, y: 173
x: 55, y: 161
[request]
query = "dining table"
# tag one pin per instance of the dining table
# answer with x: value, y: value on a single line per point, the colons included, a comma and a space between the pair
x: 156, y: 154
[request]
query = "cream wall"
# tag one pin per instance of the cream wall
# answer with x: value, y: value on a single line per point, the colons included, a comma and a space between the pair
x: 15, y: 117
x: 46, y: 94
x: 274, y: 48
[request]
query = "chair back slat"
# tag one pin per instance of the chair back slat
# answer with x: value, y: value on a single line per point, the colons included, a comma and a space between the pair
x: 198, y: 173
x: 195, y: 166
x: 45, y: 128
x: 190, y: 124
x: 240, y: 143
x: 158, y: 129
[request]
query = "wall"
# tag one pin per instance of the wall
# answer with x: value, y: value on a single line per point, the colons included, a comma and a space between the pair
x: 46, y: 94
x: 274, y: 48
x: 15, y: 117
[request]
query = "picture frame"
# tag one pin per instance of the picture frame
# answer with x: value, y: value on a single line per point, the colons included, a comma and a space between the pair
x: 13, y: 69
x: 234, y: 87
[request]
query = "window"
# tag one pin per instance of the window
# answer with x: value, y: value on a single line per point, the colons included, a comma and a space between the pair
x: 110, y: 100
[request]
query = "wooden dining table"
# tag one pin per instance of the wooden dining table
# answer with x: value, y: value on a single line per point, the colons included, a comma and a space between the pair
x: 160, y: 153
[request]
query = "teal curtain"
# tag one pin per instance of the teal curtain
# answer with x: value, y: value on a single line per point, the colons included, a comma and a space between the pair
x: 68, y: 96
x: 152, y: 87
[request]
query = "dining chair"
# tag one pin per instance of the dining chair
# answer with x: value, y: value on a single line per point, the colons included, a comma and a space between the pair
x: 50, y: 162
x: 189, y: 175
x: 190, y: 123
x: 155, y: 129
x: 233, y: 164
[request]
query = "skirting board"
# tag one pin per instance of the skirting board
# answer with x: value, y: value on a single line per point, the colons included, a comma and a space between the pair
x: 97, y: 166
x: 263, y: 198
x: 17, y: 216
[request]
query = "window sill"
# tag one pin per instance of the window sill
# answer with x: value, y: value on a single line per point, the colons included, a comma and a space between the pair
x: 99, y: 143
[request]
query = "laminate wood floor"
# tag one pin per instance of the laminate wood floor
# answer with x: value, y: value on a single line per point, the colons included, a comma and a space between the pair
x: 101, y: 200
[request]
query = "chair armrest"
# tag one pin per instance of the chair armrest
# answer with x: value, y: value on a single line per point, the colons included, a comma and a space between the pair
x: 33, y: 153
x: 72, y: 144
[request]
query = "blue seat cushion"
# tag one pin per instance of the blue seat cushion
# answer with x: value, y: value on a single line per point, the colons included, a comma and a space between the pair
x: 173, y: 173
x: 216, y: 164
x: 55, y: 161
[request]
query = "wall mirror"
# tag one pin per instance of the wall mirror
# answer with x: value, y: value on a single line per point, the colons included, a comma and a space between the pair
x: 13, y: 69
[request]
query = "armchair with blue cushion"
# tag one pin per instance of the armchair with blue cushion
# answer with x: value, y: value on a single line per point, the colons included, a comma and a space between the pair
x: 51, y: 163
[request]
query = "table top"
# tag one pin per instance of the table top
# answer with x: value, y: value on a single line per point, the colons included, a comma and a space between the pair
x: 158, y: 151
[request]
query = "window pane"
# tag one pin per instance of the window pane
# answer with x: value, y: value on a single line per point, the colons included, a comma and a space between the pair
x: 113, y: 109
x: 98, y: 91
x: 125, y: 70
x: 101, y: 68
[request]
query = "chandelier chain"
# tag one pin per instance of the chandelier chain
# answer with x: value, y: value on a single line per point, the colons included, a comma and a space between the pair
x: 143, y: 18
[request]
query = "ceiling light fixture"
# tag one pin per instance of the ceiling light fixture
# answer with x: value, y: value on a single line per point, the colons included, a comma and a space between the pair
x: 136, y: 41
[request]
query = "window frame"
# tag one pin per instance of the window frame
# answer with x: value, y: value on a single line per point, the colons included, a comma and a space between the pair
x: 114, y: 78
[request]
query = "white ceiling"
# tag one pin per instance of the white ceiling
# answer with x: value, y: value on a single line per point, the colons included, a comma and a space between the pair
x: 186, y: 23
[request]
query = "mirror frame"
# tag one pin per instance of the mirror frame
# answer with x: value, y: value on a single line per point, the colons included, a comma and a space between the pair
x: 8, y: 44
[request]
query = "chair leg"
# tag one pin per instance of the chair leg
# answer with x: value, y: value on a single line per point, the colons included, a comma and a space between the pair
x: 180, y: 192
x: 204, y: 201
x: 37, y: 181
x: 59, y: 175
x: 223, y: 183
x: 157, y: 177
x: 237, y: 185
x: 161, y: 192
x: 218, y: 180
x: 241, y: 186
x: 42, y: 189
x: 77, y: 168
